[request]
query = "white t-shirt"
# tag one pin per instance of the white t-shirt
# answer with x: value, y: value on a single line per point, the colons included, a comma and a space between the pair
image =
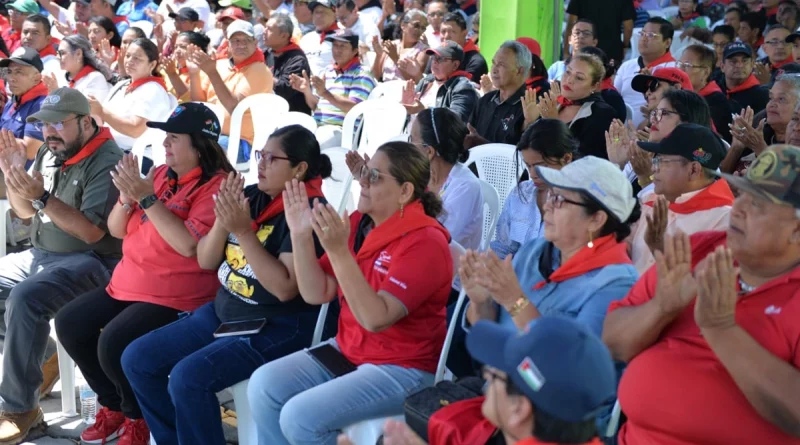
x: 622, y: 82
x: 319, y: 55
x: 372, y: 15
x: 365, y: 31
x: 463, y: 207
x: 556, y: 70
x: 93, y: 84
x: 200, y: 6
x: 434, y: 40
x: 149, y: 101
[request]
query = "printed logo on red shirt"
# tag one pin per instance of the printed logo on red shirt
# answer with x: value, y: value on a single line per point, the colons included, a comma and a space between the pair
x: 398, y: 282
x: 382, y: 263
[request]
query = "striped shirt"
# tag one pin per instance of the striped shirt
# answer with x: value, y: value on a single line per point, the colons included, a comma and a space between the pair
x: 355, y: 83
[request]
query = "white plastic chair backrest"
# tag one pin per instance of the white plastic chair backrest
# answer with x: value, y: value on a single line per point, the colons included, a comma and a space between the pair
x: 336, y: 188
x: 381, y: 119
x: 150, y: 145
x: 491, y: 212
x: 628, y: 112
x: 145, y: 26
x: 392, y: 90
x: 323, y: 314
x: 496, y: 165
x: 264, y: 109
x: 218, y: 109
x: 613, y: 422
x: 456, y: 251
x: 726, y: 144
x: 297, y: 118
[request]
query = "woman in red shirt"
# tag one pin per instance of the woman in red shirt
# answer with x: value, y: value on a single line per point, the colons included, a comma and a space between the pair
x: 160, y: 219
x: 389, y: 264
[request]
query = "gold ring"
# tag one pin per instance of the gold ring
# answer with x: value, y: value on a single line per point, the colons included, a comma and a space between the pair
x: 325, y: 229
x: 616, y: 139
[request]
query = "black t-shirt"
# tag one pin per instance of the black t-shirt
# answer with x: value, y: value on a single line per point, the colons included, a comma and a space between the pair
x: 607, y: 16
x: 241, y: 296
x: 755, y: 98
x: 282, y: 66
x: 615, y: 100
x: 591, y: 131
x: 499, y: 122
x: 720, y: 114
x: 475, y: 64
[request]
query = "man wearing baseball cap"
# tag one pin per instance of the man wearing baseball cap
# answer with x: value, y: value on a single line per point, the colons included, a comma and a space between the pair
x: 225, y: 18
x: 69, y: 196
x: 452, y: 86
x: 229, y: 81
x: 200, y: 6
x: 318, y: 49
x: 24, y: 80
x: 687, y: 196
x: 653, y: 86
x: 739, y: 84
x: 716, y: 323
x: 18, y: 11
x: 186, y: 19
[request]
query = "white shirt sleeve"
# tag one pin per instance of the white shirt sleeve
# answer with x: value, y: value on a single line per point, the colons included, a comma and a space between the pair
x: 152, y: 102
x: 94, y: 85
x: 463, y: 210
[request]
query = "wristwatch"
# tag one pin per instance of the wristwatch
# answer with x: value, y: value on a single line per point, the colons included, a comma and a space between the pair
x: 146, y: 202
x: 38, y: 204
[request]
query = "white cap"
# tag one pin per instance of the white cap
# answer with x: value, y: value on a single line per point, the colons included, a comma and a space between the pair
x: 598, y: 178
x: 241, y: 26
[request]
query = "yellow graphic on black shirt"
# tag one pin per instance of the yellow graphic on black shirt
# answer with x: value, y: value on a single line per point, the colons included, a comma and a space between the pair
x: 239, y: 285
x: 235, y: 257
x: 264, y: 232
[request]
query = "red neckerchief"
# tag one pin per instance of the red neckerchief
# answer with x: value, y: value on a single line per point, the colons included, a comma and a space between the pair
x: 691, y: 16
x: 414, y: 218
x: 533, y: 441
x: 605, y: 252
x: 276, y: 206
x: 331, y: 30
x: 607, y: 84
x: 666, y: 58
x: 532, y: 80
x: 193, y: 174
x: 137, y: 83
x: 222, y: 50
x: 48, y: 50
x: 470, y: 46
x: 778, y: 65
x: 460, y: 73
x: 256, y: 57
x: 772, y: 12
x: 353, y: 62
x: 119, y: 19
x: 103, y: 135
x: 718, y: 194
x: 709, y: 89
x: 183, y: 70
x: 39, y: 90
x: 758, y: 43
x: 81, y: 74
x: 466, y: 5
x: 288, y: 47
x: 751, y: 82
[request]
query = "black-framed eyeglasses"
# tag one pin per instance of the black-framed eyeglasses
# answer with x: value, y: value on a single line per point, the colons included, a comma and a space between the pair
x: 776, y: 42
x: 268, y: 157
x: 57, y: 126
x: 577, y: 33
x: 659, y: 113
x: 372, y: 174
x: 491, y: 375
x: 436, y: 14
x: 658, y: 160
x: 558, y: 200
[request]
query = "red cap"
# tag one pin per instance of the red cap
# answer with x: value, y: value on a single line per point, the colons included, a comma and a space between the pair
x: 641, y: 82
x: 232, y: 12
x: 532, y: 45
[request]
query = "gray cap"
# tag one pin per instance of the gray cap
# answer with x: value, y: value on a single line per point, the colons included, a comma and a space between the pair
x: 598, y: 178
x: 240, y: 26
x: 59, y: 104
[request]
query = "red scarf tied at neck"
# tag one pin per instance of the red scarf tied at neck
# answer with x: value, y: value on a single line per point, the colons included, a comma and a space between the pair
x: 607, y: 84
x: 103, y: 135
x: 137, y: 83
x: 85, y: 71
x: 286, y: 48
x: 605, y: 252
x: 709, y: 89
x: 750, y: 82
x: 718, y: 194
x: 48, y: 50
x: 341, y: 69
x: 256, y: 57
x: 276, y: 206
x: 34, y: 93
x: 331, y: 30
x: 470, y: 46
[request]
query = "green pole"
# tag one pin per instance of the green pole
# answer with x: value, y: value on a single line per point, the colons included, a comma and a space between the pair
x: 503, y: 20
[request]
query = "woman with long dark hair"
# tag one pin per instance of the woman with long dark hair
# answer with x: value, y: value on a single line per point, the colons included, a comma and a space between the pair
x: 83, y: 70
x: 160, y: 219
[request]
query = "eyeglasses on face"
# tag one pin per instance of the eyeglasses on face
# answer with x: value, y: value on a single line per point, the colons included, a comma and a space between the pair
x: 658, y: 160
x: 776, y: 43
x: 440, y: 59
x: 372, y: 175
x: 686, y: 65
x: 558, y: 200
x: 659, y: 113
x: 268, y: 157
x: 57, y: 126
x: 648, y: 35
x: 436, y: 14
x: 578, y: 34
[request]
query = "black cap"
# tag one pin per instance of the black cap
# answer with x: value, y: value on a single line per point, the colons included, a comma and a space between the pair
x: 735, y: 48
x: 449, y: 49
x: 792, y: 37
x: 185, y: 14
x: 24, y: 56
x: 344, y: 35
x: 189, y: 118
x: 789, y: 68
x: 693, y: 142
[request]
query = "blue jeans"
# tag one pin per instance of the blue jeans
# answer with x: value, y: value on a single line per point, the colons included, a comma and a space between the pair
x: 176, y: 371
x: 244, y: 148
x: 296, y: 401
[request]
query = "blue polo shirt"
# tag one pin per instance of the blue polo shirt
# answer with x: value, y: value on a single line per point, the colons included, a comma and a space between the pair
x: 17, y: 110
x: 134, y: 11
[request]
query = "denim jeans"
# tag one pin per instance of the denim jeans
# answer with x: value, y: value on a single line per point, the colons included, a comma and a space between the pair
x: 295, y: 401
x: 244, y: 148
x: 176, y: 371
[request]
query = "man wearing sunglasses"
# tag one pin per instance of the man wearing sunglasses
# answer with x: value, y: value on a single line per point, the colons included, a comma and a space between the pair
x: 654, y: 86
x: 739, y: 84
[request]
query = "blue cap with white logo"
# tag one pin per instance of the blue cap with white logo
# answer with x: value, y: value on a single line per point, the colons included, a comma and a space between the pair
x: 561, y: 366
x: 191, y: 118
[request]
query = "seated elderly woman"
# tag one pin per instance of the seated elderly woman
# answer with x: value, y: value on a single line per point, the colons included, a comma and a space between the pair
x: 176, y: 371
x: 393, y: 58
x: 713, y: 328
x: 580, y: 265
x: 160, y: 219
x: 390, y: 266
x: 141, y: 98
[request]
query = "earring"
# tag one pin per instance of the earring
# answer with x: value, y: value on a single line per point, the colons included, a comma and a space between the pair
x: 401, y: 210
x: 590, y: 244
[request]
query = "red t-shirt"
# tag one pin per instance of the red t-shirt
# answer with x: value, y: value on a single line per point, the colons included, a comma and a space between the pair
x: 151, y: 270
x: 12, y: 38
x: 417, y: 269
x: 533, y: 441
x: 677, y: 392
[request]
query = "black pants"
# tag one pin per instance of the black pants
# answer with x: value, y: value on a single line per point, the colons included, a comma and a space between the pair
x: 95, y: 329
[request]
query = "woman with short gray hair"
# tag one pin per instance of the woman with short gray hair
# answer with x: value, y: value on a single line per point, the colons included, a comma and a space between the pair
x: 392, y: 57
x: 83, y: 71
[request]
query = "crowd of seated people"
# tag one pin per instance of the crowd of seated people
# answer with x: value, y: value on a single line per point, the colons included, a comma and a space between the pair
x: 645, y: 258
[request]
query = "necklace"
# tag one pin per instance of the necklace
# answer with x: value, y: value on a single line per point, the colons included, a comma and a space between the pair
x: 746, y: 288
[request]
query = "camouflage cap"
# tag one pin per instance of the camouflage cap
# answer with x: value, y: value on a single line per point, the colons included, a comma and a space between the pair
x: 774, y: 175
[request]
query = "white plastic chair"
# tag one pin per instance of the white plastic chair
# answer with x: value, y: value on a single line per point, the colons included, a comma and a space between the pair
x: 297, y: 118
x: 498, y: 164
x: 150, y: 145
x: 66, y: 372
x: 391, y: 90
x: 337, y: 188
x: 264, y: 109
x: 491, y: 212
x: 613, y: 422
x: 368, y: 431
x: 5, y: 224
x: 628, y: 112
x: 381, y: 120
